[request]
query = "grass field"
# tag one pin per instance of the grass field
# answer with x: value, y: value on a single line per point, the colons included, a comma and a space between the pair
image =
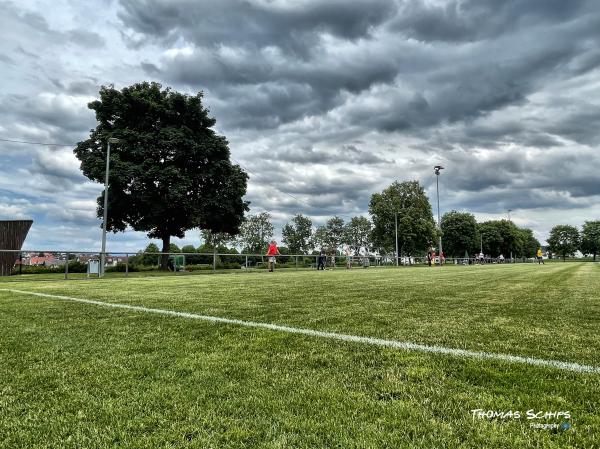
x: 84, y: 375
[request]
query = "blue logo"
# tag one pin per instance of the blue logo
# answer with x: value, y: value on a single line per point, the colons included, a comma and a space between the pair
x: 565, y: 426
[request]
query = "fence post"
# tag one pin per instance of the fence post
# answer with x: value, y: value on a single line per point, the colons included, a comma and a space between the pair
x: 67, y: 267
x: 126, y: 265
x: 246, y: 261
x: 20, y: 263
x: 296, y: 262
x: 214, y: 262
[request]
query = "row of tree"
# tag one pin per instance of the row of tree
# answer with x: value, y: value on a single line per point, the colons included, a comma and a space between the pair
x: 565, y: 240
x: 402, y: 209
x: 461, y: 233
x: 405, y: 206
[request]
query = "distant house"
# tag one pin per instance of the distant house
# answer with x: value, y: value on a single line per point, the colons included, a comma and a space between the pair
x: 113, y: 261
x: 47, y: 260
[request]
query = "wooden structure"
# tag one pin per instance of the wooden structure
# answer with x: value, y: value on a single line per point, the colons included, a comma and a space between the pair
x: 12, y: 236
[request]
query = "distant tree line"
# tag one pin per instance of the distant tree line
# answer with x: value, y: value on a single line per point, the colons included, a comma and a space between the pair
x: 565, y: 240
x: 403, y: 205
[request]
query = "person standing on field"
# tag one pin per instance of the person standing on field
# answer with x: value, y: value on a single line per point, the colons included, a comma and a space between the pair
x: 364, y: 254
x: 540, y: 258
x: 321, y: 260
x: 271, y: 253
x: 348, y: 253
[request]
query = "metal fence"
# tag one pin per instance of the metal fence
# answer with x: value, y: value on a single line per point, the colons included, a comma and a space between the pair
x: 53, y: 264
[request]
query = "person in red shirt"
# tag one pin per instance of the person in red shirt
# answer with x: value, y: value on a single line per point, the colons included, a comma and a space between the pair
x: 271, y: 253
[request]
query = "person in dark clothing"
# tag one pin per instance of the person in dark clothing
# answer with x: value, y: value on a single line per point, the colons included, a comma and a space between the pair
x: 429, y: 257
x: 321, y: 260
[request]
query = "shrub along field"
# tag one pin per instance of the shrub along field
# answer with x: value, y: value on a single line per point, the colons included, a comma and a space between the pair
x: 84, y: 375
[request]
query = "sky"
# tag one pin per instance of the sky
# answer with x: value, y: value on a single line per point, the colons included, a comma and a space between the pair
x: 324, y: 102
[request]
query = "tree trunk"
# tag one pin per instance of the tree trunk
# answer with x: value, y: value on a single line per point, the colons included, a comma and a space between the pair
x: 164, y: 258
x: 564, y: 257
x: 594, y: 257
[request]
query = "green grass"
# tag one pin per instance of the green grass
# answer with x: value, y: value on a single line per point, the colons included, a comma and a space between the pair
x: 77, y: 375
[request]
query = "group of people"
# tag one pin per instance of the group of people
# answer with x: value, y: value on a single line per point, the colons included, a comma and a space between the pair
x: 481, y: 258
x: 349, y: 255
x: 431, y: 257
x: 273, y: 252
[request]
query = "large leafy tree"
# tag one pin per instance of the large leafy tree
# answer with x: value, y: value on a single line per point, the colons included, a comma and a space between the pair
x: 329, y: 236
x: 335, y: 232
x: 590, y: 238
x: 501, y: 237
x: 460, y: 233
x: 150, y: 256
x: 563, y: 240
x: 256, y: 232
x: 416, y: 228
x: 528, y: 244
x: 215, y: 239
x: 297, y: 234
x: 319, y: 238
x: 357, y: 233
x: 170, y: 171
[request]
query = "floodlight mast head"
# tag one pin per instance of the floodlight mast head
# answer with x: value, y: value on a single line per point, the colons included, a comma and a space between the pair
x: 437, y: 169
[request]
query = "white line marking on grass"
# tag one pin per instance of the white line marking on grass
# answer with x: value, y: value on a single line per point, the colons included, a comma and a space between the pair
x: 408, y: 346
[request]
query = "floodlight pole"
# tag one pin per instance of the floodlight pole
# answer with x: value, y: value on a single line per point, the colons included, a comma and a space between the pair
x: 396, y: 216
x: 105, y: 211
x: 509, y: 211
x: 436, y: 170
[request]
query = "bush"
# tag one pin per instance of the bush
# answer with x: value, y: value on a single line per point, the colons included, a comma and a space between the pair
x: 230, y: 266
x: 121, y: 268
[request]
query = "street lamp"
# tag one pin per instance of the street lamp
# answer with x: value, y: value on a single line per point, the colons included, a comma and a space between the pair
x: 105, y: 216
x: 436, y: 170
x: 396, y: 215
x: 511, y: 254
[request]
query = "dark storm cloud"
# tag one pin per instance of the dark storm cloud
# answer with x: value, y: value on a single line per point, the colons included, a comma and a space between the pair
x: 493, y: 181
x: 62, y: 117
x: 471, y: 20
x: 309, y: 156
x: 582, y: 126
x: 290, y: 25
x: 86, y: 86
x: 418, y: 86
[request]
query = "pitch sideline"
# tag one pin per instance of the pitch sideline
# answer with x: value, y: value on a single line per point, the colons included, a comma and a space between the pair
x: 408, y: 346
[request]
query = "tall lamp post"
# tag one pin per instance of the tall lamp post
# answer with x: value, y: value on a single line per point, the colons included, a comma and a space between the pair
x: 436, y: 170
x: 396, y: 215
x: 511, y: 253
x: 105, y: 215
